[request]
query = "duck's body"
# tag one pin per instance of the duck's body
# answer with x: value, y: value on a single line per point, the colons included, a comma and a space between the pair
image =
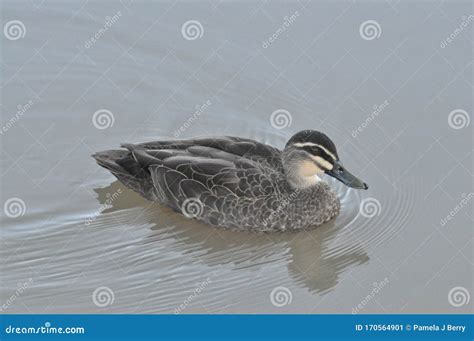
x: 227, y: 181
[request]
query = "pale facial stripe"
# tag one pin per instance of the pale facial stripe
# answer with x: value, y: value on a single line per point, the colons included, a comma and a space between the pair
x: 322, y: 163
x: 299, y: 144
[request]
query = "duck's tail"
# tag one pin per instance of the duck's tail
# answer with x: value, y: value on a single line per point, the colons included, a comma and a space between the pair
x: 108, y: 159
x: 125, y: 168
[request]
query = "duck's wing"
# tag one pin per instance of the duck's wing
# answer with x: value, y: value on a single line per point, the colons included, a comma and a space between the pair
x: 209, y: 170
x: 238, y: 146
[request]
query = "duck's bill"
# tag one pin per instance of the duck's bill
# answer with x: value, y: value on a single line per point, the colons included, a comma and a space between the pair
x: 347, y: 178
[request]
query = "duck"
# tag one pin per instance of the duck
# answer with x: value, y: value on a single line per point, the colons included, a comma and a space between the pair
x: 237, y: 183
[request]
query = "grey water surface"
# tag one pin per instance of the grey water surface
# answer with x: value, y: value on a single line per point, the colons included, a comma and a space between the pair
x: 389, y: 81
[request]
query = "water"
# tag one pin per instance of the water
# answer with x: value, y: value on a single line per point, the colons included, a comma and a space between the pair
x: 395, y: 255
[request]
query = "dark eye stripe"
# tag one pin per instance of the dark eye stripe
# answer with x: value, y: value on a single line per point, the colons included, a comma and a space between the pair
x: 315, y: 150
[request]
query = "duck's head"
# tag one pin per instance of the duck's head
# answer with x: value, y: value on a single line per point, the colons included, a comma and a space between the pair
x: 310, y: 153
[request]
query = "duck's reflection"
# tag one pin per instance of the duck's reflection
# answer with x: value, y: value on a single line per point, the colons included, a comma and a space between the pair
x: 312, y: 257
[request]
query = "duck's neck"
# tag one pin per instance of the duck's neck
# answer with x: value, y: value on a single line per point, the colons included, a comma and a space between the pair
x: 299, y: 183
